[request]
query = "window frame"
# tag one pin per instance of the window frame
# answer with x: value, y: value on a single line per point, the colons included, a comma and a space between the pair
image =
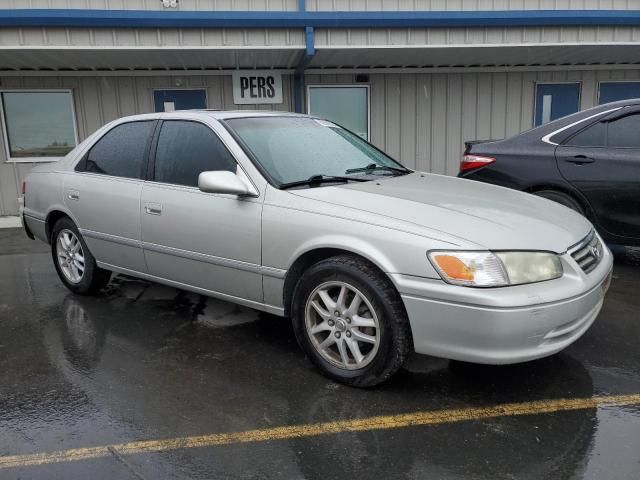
x: 535, y: 97
x: 5, y: 129
x: 153, y: 147
x: 342, y: 85
x: 81, y: 165
x: 599, y: 85
x: 161, y: 89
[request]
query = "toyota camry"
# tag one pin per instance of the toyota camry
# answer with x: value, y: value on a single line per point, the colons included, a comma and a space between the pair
x: 296, y: 216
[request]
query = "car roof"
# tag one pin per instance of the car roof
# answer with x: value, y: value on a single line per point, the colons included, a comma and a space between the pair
x: 217, y: 114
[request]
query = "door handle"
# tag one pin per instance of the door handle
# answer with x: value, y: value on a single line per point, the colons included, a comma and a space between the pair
x: 73, y: 195
x: 153, y: 208
x: 579, y: 159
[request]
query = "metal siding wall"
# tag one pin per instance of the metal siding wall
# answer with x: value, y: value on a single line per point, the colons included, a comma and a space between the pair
x: 99, y: 100
x: 424, y: 119
x: 247, y: 5
x: 151, y: 37
x: 335, y: 5
x: 354, y: 37
x: 472, y: 5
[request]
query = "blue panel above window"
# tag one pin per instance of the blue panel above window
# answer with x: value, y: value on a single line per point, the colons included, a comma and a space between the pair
x: 614, y: 91
x: 556, y: 100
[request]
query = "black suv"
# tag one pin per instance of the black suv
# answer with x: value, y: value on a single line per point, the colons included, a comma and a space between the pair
x: 588, y: 161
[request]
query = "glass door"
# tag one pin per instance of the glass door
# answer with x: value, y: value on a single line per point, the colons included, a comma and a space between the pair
x: 346, y: 105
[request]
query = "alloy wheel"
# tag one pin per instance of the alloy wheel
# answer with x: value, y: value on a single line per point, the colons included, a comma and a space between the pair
x: 70, y: 256
x: 342, y: 325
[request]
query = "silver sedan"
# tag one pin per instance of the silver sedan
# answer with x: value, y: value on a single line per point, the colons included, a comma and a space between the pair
x: 296, y: 216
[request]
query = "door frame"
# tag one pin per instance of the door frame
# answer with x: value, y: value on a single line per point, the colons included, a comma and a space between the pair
x: 342, y: 85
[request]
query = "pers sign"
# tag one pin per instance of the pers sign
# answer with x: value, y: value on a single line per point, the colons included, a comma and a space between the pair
x: 257, y: 86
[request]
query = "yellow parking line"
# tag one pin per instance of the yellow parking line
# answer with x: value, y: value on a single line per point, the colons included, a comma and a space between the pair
x: 309, y: 430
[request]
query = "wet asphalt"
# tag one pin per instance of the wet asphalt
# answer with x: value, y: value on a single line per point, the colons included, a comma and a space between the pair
x: 143, y: 361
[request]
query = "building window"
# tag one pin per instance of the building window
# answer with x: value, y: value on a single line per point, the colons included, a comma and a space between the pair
x: 38, y: 125
x: 556, y: 100
x: 346, y: 105
x: 175, y: 99
x: 614, y: 91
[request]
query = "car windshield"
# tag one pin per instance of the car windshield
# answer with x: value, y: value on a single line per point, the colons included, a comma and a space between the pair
x: 295, y: 149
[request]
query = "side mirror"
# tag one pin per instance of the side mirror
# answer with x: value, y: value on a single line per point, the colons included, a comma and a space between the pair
x: 223, y: 181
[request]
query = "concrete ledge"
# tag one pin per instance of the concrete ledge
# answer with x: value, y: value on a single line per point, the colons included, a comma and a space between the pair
x: 10, y: 222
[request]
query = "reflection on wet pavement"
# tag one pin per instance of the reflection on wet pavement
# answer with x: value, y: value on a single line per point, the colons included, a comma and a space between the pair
x: 144, y: 361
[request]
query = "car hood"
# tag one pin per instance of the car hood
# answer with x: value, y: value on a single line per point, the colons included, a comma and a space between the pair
x: 485, y: 215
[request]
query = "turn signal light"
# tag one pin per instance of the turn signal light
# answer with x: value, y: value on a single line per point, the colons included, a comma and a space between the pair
x: 471, y: 162
x: 454, y: 268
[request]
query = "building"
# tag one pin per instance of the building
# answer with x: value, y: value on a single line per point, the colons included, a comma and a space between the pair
x: 416, y: 77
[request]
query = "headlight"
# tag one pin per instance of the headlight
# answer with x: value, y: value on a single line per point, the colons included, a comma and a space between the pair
x: 495, y: 269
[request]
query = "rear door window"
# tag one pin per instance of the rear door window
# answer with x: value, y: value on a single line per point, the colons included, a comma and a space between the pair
x: 122, y: 151
x: 624, y: 132
x: 186, y: 149
x: 592, y: 136
x: 621, y: 133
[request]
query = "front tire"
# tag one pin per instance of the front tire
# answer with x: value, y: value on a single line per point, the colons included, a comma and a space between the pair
x: 350, y: 321
x: 74, y: 263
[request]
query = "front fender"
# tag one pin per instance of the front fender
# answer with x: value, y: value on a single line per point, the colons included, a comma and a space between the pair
x: 288, y: 234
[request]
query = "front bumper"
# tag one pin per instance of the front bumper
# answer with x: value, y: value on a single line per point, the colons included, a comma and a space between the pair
x: 504, y: 325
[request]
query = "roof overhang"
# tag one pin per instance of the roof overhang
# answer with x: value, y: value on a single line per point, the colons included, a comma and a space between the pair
x: 160, y: 54
x: 475, y: 56
x: 151, y: 59
x: 225, y: 59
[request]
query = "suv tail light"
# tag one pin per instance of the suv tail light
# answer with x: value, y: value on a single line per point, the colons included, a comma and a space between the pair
x: 24, y: 187
x: 471, y: 162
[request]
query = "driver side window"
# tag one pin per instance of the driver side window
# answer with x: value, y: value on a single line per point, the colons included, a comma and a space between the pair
x: 186, y: 149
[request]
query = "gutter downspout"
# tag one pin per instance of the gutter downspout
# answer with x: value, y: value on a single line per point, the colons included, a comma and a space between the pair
x: 298, y: 77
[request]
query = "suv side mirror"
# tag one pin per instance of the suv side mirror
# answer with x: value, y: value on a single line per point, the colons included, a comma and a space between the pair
x: 223, y: 181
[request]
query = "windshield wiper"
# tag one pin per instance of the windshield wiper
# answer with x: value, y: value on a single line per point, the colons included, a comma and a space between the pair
x: 375, y: 166
x: 318, y: 179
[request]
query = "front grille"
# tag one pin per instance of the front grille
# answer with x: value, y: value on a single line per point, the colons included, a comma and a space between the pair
x: 588, y: 252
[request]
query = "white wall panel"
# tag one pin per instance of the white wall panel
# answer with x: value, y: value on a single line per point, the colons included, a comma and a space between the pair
x: 256, y: 5
x: 472, y: 5
x: 339, y: 37
x: 424, y: 119
x: 421, y: 119
x: 99, y: 100
x: 150, y: 37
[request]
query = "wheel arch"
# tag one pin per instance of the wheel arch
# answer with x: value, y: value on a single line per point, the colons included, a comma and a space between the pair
x: 313, y: 255
x: 574, y: 194
x: 55, y: 214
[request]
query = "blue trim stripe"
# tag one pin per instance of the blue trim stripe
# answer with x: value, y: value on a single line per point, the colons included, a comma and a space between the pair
x: 301, y: 19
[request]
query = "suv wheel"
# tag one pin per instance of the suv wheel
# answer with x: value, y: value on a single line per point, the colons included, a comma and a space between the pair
x: 350, y: 321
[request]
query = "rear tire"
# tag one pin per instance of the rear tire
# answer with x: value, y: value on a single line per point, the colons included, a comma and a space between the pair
x: 350, y: 321
x: 74, y: 263
x: 562, y: 199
